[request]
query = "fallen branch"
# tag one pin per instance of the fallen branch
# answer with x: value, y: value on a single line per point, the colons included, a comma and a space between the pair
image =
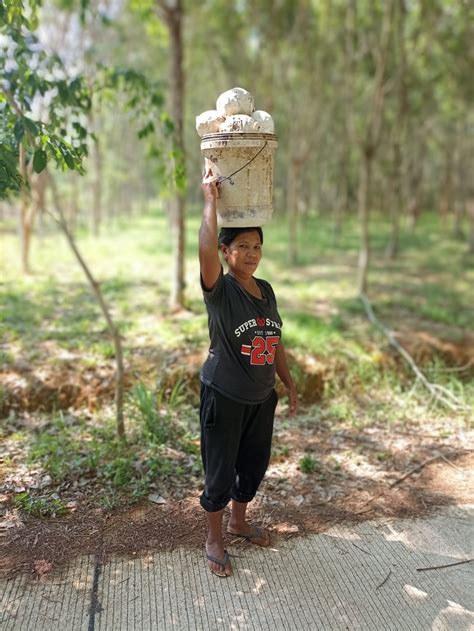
x: 439, y: 567
x: 384, y: 580
x: 439, y: 393
x: 414, y: 470
x: 451, y: 464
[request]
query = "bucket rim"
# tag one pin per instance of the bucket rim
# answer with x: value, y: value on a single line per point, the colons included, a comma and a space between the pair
x: 239, y: 134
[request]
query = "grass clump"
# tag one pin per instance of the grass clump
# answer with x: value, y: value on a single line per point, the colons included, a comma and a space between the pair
x: 153, y: 411
x: 40, y: 506
x: 309, y: 464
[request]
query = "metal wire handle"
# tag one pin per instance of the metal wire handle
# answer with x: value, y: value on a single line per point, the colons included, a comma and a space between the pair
x: 229, y: 177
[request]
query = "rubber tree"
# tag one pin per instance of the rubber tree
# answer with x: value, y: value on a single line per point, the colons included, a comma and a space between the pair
x: 59, y: 140
x: 370, y: 138
x: 172, y: 14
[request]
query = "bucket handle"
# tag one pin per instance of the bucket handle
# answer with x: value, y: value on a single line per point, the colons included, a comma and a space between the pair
x: 229, y: 177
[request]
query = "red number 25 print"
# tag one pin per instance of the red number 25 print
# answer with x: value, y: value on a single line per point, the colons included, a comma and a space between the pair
x: 263, y: 350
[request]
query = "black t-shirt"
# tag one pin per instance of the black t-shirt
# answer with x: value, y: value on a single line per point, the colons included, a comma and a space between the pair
x: 245, y: 332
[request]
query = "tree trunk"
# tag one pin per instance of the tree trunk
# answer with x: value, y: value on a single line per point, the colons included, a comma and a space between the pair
x: 173, y: 15
x: 344, y: 193
x: 459, y: 213
x: 74, y: 205
x: 114, y: 332
x: 343, y: 190
x: 399, y: 133
x: 39, y: 184
x: 414, y: 203
x: 369, y: 146
x: 365, y: 176
x: 460, y: 178
x: 292, y: 208
x: 445, y: 201
x: 26, y: 214
x: 97, y: 189
x: 470, y: 215
x: 396, y: 203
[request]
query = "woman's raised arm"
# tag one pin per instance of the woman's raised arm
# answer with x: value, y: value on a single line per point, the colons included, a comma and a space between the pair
x: 208, y: 246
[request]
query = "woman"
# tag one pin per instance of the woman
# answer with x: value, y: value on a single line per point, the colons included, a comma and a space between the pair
x: 238, y: 398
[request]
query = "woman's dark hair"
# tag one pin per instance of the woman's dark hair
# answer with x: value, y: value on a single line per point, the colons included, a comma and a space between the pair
x: 227, y: 235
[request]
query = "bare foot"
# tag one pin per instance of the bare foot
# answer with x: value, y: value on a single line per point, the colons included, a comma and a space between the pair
x: 256, y: 535
x: 218, y: 559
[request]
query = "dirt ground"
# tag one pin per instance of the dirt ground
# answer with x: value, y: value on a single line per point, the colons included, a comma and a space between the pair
x: 357, y: 474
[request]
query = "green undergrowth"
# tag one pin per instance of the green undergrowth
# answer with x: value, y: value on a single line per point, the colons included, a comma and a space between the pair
x: 40, y: 506
x: 161, y: 445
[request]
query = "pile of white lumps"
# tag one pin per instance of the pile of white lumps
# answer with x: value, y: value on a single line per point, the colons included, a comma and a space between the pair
x: 235, y: 112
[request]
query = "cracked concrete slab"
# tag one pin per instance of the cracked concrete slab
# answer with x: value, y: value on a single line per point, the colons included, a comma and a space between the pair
x: 361, y: 576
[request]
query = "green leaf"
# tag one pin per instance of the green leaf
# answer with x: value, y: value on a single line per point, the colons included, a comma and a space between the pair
x: 68, y: 158
x: 19, y: 130
x: 80, y: 130
x: 146, y: 130
x: 40, y: 159
x: 30, y: 126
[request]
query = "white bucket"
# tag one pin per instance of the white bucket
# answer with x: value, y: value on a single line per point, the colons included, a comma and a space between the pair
x: 246, y: 198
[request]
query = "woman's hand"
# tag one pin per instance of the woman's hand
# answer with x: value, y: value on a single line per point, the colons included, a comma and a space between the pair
x: 209, y: 187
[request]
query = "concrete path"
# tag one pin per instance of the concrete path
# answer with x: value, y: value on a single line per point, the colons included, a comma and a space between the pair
x: 350, y: 577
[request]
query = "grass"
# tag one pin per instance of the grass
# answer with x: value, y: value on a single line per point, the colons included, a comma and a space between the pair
x: 82, y: 450
x: 45, y: 316
x: 133, y: 265
x: 309, y: 464
x: 39, y: 506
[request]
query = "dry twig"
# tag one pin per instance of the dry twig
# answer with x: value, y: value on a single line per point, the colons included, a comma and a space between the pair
x: 414, y: 470
x: 384, y: 580
x: 439, y: 393
x: 361, y: 549
x: 451, y: 464
x: 439, y: 567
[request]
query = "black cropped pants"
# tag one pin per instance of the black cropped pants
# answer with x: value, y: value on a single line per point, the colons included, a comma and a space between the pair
x: 235, y: 447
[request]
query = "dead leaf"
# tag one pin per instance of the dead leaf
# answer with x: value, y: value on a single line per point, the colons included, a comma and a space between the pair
x: 156, y: 499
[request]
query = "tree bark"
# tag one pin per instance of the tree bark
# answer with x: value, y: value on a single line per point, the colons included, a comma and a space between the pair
x: 369, y: 147
x: 74, y: 205
x: 399, y: 134
x: 460, y: 179
x: 470, y: 216
x: 294, y: 169
x: 39, y: 184
x: 172, y: 12
x: 446, y: 194
x: 395, y: 202
x: 414, y: 190
x: 344, y: 193
x: 97, y: 189
x: 365, y: 177
x: 27, y: 213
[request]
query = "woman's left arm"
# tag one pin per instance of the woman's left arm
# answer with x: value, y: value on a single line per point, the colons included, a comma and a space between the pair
x: 284, y: 373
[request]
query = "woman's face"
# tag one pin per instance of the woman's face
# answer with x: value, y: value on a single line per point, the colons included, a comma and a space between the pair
x: 244, y: 253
